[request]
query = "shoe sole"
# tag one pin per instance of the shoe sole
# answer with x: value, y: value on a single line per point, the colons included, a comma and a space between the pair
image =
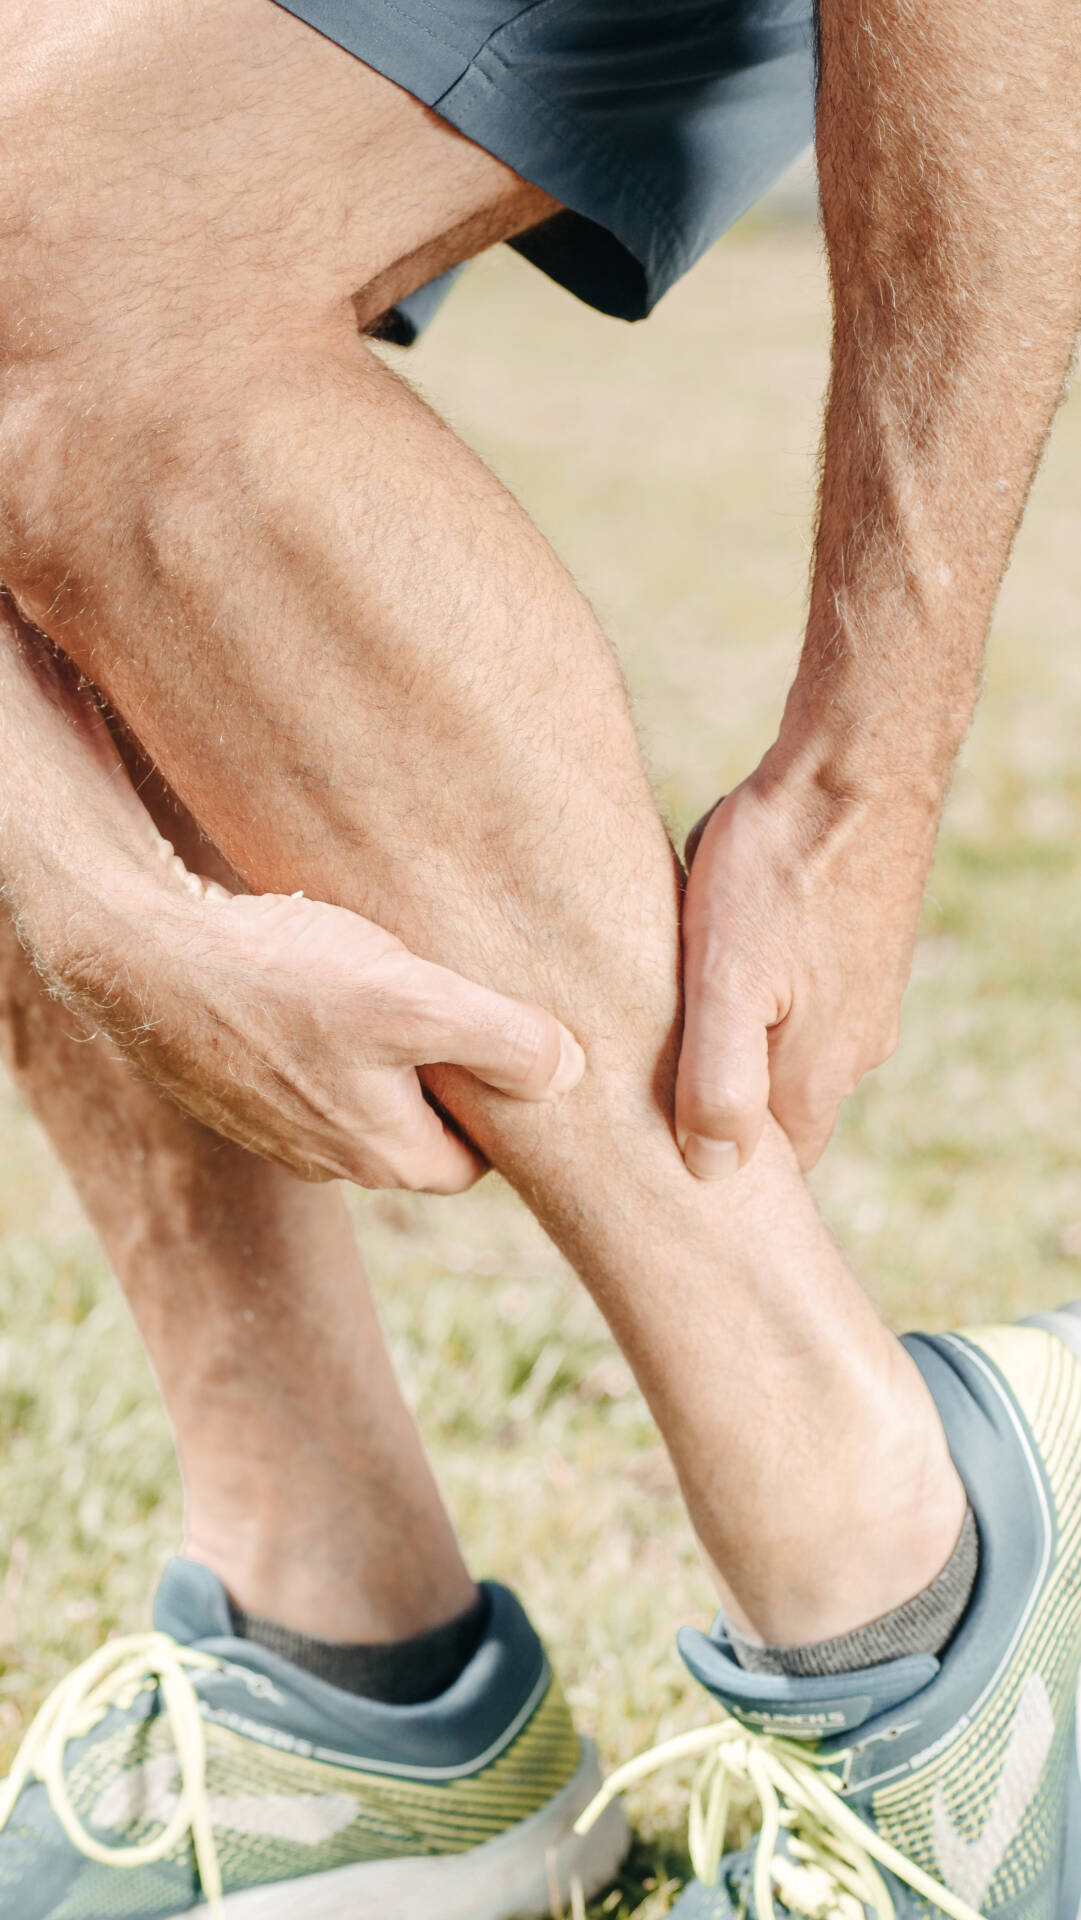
x: 524, y: 1874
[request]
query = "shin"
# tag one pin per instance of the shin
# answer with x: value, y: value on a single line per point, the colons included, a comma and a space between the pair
x: 306, y: 1488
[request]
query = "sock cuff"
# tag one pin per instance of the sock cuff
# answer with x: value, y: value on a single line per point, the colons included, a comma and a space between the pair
x: 923, y: 1624
x: 397, y: 1673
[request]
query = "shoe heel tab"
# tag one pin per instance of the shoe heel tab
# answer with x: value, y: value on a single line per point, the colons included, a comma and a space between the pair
x: 191, y: 1605
x: 509, y: 1626
x: 1064, y: 1323
x: 820, y: 1708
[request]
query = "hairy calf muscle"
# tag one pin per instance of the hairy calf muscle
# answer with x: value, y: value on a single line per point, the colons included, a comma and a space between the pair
x: 367, y: 676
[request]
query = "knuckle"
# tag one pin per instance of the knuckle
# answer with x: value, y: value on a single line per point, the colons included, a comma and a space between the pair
x: 720, y: 967
x: 368, y: 1155
x: 717, y: 1108
x: 530, y: 1042
x: 410, y: 1019
x: 845, y: 1084
x: 886, y: 1045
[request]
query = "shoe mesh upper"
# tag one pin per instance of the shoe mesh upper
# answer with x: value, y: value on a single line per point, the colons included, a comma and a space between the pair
x: 973, y: 1801
x: 277, y: 1815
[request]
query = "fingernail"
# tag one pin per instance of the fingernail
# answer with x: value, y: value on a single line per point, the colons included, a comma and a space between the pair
x: 710, y: 1159
x: 572, y: 1065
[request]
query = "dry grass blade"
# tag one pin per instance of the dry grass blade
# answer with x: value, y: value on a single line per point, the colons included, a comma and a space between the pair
x: 11, y: 1593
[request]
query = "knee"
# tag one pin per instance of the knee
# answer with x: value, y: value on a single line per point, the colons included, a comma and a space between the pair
x: 130, y: 318
x: 94, y: 419
x: 69, y: 454
x: 76, y: 341
x: 105, y: 441
x: 112, y: 480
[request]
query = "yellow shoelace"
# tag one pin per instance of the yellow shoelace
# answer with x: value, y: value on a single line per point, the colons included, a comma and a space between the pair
x: 830, y: 1867
x: 114, y: 1677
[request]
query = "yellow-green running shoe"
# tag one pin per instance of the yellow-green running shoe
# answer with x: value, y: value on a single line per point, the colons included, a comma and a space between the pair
x: 923, y: 1786
x: 186, y: 1771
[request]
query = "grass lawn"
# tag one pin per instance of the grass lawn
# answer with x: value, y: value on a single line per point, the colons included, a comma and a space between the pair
x: 672, y: 466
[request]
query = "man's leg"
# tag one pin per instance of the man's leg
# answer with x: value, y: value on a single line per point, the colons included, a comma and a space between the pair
x: 365, y: 673
x: 306, y: 1487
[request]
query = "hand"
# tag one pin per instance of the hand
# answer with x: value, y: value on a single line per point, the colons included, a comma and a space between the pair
x: 799, y: 924
x: 292, y: 1027
x: 295, y: 1029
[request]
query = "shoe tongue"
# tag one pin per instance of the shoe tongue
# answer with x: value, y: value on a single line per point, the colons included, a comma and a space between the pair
x: 192, y: 1604
x: 798, y: 1709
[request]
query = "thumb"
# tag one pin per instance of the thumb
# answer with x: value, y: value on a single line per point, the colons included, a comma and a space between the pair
x: 512, y: 1045
x: 722, y: 1087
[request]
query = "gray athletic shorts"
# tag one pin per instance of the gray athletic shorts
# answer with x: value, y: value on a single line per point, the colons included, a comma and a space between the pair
x: 655, y: 123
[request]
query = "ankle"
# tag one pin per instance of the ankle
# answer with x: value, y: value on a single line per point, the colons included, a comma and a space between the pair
x: 924, y: 1624
x: 318, y: 1586
x: 890, y: 1515
x: 400, y: 1673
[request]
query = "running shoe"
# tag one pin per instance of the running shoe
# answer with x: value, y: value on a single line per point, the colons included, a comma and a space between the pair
x: 186, y: 1771
x: 922, y: 1786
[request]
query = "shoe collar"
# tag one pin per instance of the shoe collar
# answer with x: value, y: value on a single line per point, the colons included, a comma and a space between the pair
x: 266, y: 1698
x: 899, y: 1710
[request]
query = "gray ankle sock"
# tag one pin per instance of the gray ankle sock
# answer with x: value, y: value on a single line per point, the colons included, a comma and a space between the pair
x: 922, y: 1625
x: 402, y: 1673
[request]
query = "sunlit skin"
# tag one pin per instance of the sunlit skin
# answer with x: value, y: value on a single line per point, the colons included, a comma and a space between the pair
x: 369, y: 681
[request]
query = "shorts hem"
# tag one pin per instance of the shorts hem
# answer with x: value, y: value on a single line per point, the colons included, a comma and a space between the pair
x: 489, y: 107
x: 620, y: 242
x: 473, y: 87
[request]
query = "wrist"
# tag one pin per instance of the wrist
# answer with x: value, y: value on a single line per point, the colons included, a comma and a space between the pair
x: 889, y: 675
x: 854, y: 741
x: 827, y: 784
x: 102, y: 929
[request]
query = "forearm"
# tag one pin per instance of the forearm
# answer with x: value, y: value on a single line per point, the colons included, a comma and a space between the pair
x: 949, y: 142
x: 949, y: 139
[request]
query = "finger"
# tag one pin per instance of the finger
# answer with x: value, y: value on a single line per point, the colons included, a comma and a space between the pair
x: 442, y: 1162
x: 804, y: 1103
x: 690, y: 845
x: 512, y: 1045
x: 809, y: 1130
x: 415, y: 1149
x: 722, y: 1086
